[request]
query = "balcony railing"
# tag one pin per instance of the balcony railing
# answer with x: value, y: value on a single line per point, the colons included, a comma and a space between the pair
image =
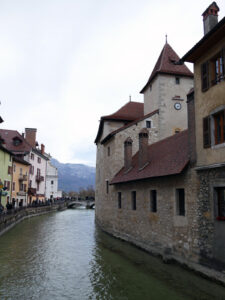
x: 39, y: 178
x: 22, y: 177
x: 21, y: 193
x: 32, y: 191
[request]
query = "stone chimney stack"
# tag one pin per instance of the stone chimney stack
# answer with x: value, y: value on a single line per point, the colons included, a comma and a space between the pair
x: 128, y: 154
x: 30, y: 136
x: 143, y: 148
x: 210, y: 17
x: 191, y: 127
x: 42, y: 149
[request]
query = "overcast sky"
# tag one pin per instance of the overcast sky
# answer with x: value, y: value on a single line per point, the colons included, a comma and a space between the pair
x: 65, y: 63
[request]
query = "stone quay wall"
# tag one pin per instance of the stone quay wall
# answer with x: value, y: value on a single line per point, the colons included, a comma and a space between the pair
x: 9, y: 220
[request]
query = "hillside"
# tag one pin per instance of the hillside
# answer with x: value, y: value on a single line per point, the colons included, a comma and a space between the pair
x: 72, y: 177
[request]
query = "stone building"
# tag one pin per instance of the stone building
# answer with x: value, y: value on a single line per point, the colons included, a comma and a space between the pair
x: 137, y: 204
x: 159, y: 185
x: 208, y: 99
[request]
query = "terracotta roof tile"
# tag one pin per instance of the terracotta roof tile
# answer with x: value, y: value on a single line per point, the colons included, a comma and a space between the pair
x: 166, y: 65
x: 8, y: 136
x: 111, y: 134
x: 129, y: 112
x: 166, y: 157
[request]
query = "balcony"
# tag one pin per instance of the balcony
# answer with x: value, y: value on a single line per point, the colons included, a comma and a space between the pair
x: 32, y: 191
x: 21, y: 193
x: 22, y: 177
x: 39, y: 178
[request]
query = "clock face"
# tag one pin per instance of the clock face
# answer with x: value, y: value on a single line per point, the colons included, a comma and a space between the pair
x: 177, y: 106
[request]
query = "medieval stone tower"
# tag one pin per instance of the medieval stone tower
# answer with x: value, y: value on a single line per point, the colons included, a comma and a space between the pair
x: 166, y: 90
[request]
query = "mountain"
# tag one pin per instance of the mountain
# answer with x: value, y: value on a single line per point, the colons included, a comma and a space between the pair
x: 72, y: 177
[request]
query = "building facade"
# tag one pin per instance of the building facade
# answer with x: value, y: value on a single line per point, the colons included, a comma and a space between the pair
x: 5, y: 175
x: 25, y: 147
x: 20, y: 179
x: 208, y: 56
x: 158, y: 185
x: 51, y: 181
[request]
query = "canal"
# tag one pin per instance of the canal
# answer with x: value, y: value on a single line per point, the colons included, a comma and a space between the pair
x: 64, y: 256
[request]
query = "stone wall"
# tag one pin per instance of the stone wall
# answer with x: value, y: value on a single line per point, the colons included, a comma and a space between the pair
x: 162, y: 232
x: 7, y: 221
x: 211, y: 230
x: 108, y: 165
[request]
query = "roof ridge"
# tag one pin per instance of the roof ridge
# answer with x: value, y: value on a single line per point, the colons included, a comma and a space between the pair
x: 128, y: 125
x: 163, y: 51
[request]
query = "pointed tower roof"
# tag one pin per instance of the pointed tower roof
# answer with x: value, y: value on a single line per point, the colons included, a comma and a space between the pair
x: 166, y: 65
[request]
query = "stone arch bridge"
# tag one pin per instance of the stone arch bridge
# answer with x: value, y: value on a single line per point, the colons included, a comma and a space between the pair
x: 88, y: 204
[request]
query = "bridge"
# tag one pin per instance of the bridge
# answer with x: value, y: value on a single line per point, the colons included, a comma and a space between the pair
x: 87, y: 204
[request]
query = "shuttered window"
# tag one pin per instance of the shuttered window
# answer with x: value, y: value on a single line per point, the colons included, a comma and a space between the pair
x: 219, y: 124
x: 205, y: 76
x: 223, y: 58
x: 206, y: 132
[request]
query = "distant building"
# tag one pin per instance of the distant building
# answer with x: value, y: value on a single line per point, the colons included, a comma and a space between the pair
x: 26, y: 148
x: 52, y: 181
x: 38, y: 161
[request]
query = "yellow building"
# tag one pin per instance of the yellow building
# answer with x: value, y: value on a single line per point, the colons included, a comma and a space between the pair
x: 20, y: 182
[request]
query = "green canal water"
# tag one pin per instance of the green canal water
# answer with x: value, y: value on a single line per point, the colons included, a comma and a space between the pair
x: 64, y: 256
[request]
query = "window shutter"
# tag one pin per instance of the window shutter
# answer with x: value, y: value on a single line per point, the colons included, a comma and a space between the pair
x: 205, y: 76
x: 223, y: 58
x: 206, y: 132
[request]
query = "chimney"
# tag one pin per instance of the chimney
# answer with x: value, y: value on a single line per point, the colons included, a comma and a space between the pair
x: 143, y: 148
x: 30, y: 136
x: 210, y: 17
x: 128, y: 154
x: 191, y: 127
x: 42, y: 149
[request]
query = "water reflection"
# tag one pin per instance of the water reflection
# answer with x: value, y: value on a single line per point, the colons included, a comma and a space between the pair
x: 64, y: 256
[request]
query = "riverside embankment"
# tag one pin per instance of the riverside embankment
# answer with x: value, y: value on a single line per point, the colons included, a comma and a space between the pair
x: 14, y: 216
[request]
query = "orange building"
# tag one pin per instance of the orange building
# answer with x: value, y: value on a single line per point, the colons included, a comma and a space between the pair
x: 20, y: 182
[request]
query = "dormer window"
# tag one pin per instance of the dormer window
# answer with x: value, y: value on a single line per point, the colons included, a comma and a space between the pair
x: 17, y: 141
